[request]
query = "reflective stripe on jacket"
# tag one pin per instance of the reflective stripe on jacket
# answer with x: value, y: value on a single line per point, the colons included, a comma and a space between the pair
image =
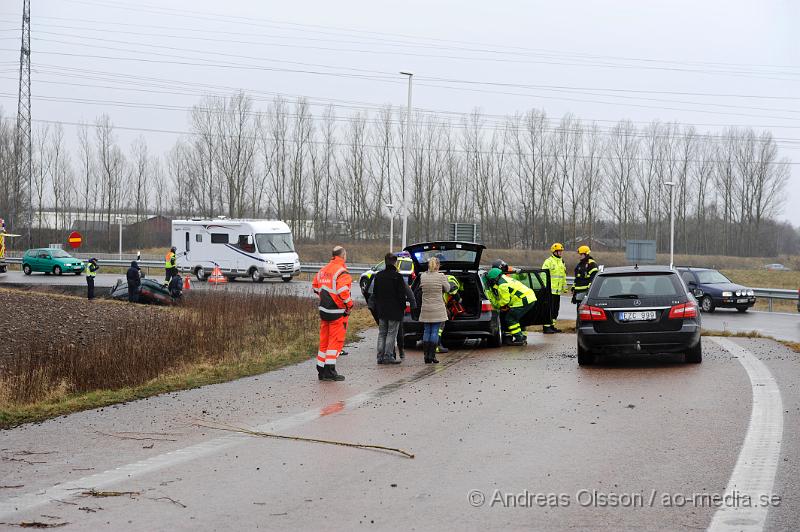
x: 509, y: 292
x: 91, y: 270
x: 558, y: 274
x: 169, y: 260
x: 332, y: 284
x: 585, y: 271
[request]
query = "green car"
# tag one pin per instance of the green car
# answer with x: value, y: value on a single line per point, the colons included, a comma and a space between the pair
x: 48, y: 260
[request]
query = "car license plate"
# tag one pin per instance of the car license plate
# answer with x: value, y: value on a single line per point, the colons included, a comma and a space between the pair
x: 743, y: 300
x: 638, y: 316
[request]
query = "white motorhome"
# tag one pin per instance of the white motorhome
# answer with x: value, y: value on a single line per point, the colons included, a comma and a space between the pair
x: 241, y: 248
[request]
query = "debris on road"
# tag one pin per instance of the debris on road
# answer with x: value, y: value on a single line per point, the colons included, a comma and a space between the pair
x: 95, y: 493
x: 231, y: 428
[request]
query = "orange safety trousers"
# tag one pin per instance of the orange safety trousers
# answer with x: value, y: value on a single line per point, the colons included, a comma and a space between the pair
x: 331, y: 340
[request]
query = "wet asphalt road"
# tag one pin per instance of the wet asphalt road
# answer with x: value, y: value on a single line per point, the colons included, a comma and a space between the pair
x: 783, y: 326
x: 490, y: 430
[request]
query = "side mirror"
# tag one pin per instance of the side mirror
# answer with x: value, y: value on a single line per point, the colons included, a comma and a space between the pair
x: 249, y: 240
x: 697, y: 293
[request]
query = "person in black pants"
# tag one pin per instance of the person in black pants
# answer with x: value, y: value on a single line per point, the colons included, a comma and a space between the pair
x: 134, y: 278
x: 91, y: 271
x: 389, y: 295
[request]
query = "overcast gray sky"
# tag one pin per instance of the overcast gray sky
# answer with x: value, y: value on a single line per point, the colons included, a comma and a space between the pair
x: 709, y: 63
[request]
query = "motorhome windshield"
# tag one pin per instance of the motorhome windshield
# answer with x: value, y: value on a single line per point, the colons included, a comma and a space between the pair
x: 274, y: 243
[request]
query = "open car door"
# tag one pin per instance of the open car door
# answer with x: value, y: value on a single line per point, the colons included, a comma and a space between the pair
x: 539, y: 281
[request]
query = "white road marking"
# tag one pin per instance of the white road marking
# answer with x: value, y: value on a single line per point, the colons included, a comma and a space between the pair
x: 72, y: 488
x: 754, y: 474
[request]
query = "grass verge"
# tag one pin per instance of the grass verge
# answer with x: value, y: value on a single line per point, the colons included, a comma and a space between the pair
x: 222, y: 340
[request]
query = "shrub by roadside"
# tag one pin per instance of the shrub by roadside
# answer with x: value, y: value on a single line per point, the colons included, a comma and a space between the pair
x: 90, y: 354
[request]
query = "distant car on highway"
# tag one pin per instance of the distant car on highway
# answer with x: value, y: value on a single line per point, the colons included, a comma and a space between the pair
x: 49, y: 260
x: 644, y: 309
x: 713, y: 290
x: 404, y: 265
x: 776, y: 267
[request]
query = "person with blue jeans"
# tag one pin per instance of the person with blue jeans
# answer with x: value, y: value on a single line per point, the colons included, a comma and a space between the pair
x: 433, y: 312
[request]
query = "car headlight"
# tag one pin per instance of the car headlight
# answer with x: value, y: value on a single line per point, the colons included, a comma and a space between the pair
x: 727, y: 294
x: 751, y: 293
x: 267, y: 261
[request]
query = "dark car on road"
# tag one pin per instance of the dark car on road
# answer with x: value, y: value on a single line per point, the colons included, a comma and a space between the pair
x: 479, y: 320
x: 638, y: 310
x: 713, y: 290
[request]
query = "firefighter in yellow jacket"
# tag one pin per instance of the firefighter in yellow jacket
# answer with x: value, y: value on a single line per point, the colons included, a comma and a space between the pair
x: 513, y: 299
x: 558, y: 283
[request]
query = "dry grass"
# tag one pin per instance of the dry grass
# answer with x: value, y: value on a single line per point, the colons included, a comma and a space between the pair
x: 212, y: 338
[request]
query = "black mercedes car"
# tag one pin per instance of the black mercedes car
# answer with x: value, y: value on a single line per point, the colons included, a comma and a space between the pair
x: 479, y: 320
x: 713, y: 290
x: 638, y: 309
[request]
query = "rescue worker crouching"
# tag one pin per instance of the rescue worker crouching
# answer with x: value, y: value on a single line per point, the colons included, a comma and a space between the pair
x: 585, y: 271
x: 332, y: 284
x: 558, y: 283
x: 513, y: 300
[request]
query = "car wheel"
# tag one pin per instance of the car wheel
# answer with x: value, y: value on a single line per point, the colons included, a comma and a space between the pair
x: 286, y: 279
x: 496, y: 339
x: 256, y: 276
x: 56, y: 270
x: 741, y: 309
x: 200, y: 273
x: 707, y: 304
x: 585, y: 357
x: 26, y: 269
x: 694, y: 355
x: 78, y: 273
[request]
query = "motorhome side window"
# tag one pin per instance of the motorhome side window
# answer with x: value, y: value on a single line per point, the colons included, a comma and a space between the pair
x: 219, y: 238
x: 244, y: 245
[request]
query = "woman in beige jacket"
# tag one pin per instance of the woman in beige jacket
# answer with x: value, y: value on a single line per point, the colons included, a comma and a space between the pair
x: 433, y: 313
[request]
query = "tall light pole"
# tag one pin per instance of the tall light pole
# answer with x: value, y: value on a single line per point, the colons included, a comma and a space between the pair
x: 671, y: 185
x: 391, y: 226
x: 119, y: 219
x: 406, y: 145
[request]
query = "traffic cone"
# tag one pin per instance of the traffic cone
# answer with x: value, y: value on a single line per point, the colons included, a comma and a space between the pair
x: 217, y: 277
x: 186, y: 284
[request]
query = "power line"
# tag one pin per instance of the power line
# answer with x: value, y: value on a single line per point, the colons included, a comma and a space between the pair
x: 291, y: 140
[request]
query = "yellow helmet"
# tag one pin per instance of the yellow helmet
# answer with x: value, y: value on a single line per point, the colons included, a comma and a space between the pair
x: 558, y: 246
x: 584, y: 250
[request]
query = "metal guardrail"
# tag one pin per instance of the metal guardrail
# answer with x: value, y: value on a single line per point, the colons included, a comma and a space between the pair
x: 769, y: 294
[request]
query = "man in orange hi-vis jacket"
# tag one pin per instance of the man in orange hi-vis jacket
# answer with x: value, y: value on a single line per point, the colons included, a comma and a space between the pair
x: 332, y: 285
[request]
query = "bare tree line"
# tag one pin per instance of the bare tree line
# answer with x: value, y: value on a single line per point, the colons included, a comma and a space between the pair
x: 526, y: 181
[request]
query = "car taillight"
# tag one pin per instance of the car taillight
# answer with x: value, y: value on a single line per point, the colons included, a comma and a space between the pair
x: 589, y: 313
x: 686, y: 310
x: 408, y: 307
x: 486, y: 306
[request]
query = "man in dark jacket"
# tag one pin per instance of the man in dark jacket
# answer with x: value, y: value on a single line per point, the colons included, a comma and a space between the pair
x: 388, y: 301
x: 134, y: 282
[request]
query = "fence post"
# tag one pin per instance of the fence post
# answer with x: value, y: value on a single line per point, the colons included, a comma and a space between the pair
x: 769, y: 304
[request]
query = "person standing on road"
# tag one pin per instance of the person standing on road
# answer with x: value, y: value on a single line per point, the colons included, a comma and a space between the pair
x: 91, y: 271
x: 558, y: 283
x: 585, y: 271
x: 170, y: 264
x: 513, y: 300
x: 332, y: 284
x: 389, y: 295
x: 134, y: 278
x: 433, y: 313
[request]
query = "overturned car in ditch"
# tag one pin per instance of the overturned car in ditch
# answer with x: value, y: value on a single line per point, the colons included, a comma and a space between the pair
x: 151, y: 291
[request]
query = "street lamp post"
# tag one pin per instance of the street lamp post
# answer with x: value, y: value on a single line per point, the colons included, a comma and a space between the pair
x: 119, y: 219
x: 671, y: 185
x: 406, y: 144
x: 391, y: 226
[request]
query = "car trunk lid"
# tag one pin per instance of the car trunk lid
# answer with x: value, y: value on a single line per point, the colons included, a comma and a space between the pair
x: 453, y: 256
